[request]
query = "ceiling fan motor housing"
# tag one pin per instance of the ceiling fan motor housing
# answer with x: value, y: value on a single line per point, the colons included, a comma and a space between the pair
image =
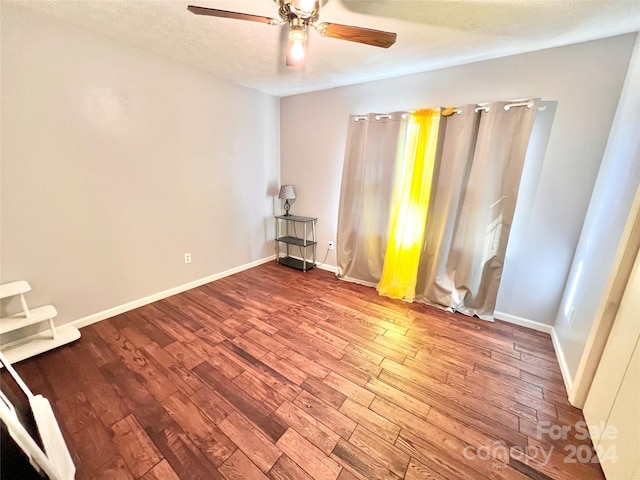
x: 306, y: 10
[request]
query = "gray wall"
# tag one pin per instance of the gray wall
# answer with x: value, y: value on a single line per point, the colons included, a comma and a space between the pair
x: 609, y: 209
x: 585, y: 80
x: 116, y: 162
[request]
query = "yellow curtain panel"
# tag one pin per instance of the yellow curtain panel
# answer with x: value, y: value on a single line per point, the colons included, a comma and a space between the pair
x: 410, y: 203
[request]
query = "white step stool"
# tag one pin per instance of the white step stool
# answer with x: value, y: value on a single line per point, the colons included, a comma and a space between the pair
x: 32, y: 345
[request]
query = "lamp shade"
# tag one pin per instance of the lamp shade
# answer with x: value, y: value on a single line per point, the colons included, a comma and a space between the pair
x: 287, y: 192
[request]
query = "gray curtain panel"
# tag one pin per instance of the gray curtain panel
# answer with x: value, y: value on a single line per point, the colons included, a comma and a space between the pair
x: 363, y: 218
x: 475, y: 187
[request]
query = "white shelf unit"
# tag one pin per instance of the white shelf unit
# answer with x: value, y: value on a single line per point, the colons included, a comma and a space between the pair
x: 31, y: 345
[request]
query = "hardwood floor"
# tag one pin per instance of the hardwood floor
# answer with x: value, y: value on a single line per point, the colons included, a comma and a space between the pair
x: 276, y: 374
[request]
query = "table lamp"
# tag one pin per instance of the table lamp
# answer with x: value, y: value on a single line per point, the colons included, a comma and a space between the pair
x: 287, y: 193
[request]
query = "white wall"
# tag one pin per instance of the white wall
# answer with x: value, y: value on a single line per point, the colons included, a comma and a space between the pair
x: 585, y: 79
x: 613, y: 195
x: 116, y: 162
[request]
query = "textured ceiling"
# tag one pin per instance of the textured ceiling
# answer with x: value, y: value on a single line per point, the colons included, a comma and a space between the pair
x: 431, y: 34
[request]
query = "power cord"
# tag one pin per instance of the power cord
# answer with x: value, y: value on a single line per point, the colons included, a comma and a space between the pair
x: 295, y: 232
x: 325, y: 258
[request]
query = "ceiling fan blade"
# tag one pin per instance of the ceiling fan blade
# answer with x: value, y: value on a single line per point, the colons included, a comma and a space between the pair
x: 213, y: 12
x: 377, y: 38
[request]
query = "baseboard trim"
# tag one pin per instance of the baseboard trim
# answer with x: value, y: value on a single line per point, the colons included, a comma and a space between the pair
x: 111, y: 312
x: 562, y: 361
x: 328, y: 268
x: 523, y: 322
x: 321, y: 266
x: 543, y: 327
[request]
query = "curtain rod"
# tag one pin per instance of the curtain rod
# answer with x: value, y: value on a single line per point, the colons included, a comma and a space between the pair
x: 485, y: 107
x: 527, y: 104
x: 448, y: 111
x: 378, y: 117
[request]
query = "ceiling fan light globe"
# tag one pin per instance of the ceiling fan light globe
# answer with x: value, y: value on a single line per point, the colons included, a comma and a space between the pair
x: 297, y: 34
x: 297, y: 51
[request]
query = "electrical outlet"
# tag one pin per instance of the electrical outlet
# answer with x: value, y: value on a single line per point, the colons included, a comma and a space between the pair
x: 331, y: 245
x: 187, y: 258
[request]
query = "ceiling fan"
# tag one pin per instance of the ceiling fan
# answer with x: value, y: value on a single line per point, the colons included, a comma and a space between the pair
x: 301, y: 15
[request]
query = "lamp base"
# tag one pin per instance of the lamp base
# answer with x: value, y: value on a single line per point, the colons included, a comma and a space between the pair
x: 286, y: 208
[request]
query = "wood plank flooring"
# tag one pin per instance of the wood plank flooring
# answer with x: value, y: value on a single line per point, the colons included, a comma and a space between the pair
x: 276, y: 374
